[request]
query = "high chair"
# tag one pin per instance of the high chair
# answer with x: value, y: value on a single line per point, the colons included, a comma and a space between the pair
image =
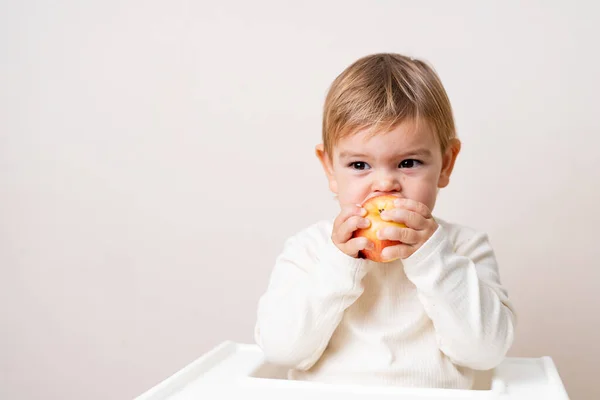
x: 239, y: 371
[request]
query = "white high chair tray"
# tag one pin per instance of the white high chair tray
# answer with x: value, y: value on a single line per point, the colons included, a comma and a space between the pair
x: 233, y: 370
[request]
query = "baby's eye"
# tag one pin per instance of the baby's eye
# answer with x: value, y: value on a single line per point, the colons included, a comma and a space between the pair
x: 410, y: 163
x: 359, y: 165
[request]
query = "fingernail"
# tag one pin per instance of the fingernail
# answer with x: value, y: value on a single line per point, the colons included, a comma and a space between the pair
x: 398, y: 202
x: 380, y: 233
x: 362, y: 212
x: 364, y: 223
x: 385, y: 254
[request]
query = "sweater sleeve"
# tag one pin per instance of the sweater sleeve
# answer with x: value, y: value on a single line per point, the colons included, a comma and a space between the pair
x: 311, y: 285
x: 461, y: 292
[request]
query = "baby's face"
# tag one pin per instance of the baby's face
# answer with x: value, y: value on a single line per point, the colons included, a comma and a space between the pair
x: 406, y: 162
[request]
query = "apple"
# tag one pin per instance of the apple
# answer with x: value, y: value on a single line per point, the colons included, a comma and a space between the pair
x: 375, y: 206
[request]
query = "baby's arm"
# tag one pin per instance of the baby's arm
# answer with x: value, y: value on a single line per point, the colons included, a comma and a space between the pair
x: 461, y: 291
x: 310, y: 287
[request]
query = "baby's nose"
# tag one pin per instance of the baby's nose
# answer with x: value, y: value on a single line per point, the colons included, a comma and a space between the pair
x: 386, y: 181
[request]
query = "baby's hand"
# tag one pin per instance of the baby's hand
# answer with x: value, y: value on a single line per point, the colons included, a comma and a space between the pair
x: 349, y: 220
x: 419, y: 227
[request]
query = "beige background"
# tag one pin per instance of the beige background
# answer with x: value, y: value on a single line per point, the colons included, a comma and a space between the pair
x: 155, y: 155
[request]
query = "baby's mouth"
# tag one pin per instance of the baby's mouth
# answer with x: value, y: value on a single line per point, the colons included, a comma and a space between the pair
x: 375, y: 194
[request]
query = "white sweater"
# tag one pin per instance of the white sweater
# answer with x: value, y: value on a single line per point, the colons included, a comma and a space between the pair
x: 426, y: 321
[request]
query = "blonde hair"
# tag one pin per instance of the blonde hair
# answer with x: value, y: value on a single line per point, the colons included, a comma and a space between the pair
x: 380, y: 91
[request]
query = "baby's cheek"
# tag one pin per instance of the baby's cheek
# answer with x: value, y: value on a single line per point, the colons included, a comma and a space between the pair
x: 427, y: 195
x: 353, y: 192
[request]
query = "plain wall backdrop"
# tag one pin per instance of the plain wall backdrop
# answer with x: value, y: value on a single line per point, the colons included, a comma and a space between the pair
x: 154, y: 156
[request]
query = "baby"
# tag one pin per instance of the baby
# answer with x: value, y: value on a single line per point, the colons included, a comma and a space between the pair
x: 434, y: 311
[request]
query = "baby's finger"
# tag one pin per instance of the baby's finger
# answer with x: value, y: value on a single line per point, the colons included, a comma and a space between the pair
x: 355, y: 245
x: 344, y: 232
x: 404, y: 216
x: 404, y: 235
x: 413, y: 205
x: 347, y: 212
x: 395, y: 252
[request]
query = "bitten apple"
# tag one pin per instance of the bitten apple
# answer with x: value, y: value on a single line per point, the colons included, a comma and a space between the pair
x: 375, y: 206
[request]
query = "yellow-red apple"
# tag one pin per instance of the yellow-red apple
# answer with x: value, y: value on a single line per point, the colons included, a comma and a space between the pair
x: 375, y: 206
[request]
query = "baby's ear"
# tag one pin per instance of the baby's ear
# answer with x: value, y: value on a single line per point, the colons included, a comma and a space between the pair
x: 325, y: 160
x: 448, y: 160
